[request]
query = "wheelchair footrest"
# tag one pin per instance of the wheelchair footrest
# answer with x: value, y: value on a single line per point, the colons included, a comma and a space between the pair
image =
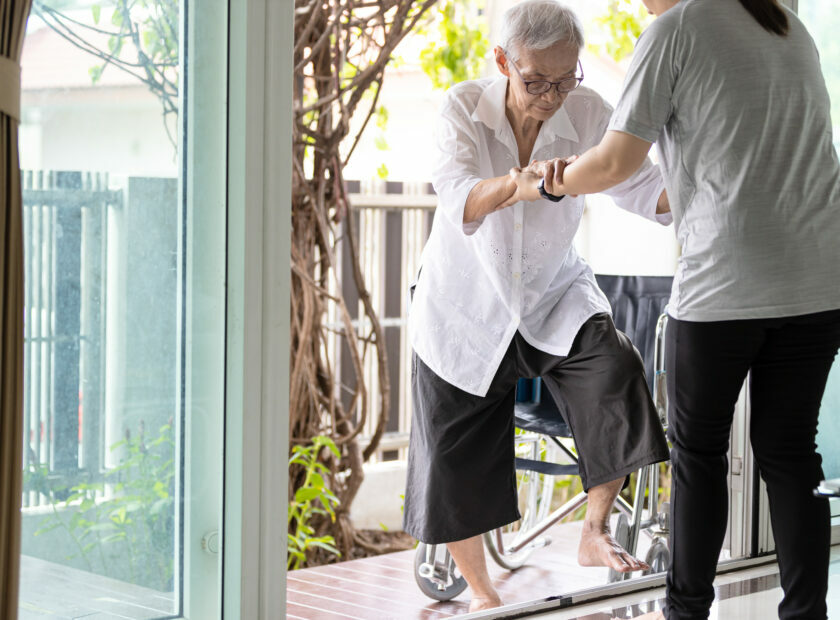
x: 551, y: 469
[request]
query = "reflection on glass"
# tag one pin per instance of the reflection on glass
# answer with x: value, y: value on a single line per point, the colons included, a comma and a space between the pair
x: 99, y: 152
x: 822, y: 21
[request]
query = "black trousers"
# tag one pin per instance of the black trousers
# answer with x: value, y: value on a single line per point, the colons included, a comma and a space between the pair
x: 789, y: 359
x: 461, y: 478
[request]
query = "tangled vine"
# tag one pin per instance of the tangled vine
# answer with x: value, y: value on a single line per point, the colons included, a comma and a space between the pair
x: 342, y: 48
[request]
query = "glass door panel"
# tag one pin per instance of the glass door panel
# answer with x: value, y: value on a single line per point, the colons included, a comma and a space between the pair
x: 124, y: 333
x: 822, y: 21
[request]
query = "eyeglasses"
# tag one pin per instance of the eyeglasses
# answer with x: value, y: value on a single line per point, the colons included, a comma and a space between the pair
x: 540, y: 87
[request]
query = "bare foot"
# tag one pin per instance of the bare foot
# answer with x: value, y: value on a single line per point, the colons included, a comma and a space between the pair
x: 653, y: 615
x: 479, y: 603
x: 599, y: 548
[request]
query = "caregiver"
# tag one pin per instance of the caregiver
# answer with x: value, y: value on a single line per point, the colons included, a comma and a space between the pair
x: 732, y: 94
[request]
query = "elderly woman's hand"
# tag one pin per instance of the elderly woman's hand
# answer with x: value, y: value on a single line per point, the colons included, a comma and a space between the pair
x: 526, y: 181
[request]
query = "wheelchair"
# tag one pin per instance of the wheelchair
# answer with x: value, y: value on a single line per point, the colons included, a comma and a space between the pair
x: 542, y: 435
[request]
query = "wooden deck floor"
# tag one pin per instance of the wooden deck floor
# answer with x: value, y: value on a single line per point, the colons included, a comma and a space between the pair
x: 383, y: 587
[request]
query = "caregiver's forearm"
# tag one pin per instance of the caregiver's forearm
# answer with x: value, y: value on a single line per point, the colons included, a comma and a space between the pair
x: 615, y: 159
x: 488, y: 196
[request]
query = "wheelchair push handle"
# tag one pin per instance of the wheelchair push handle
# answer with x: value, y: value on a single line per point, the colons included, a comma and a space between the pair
x: 660, y: 392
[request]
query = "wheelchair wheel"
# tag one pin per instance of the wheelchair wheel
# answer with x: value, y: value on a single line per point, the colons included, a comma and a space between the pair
x: 436, y: 574
x: 622, y: 537
x: 535, y: 492
x: 657, y: 557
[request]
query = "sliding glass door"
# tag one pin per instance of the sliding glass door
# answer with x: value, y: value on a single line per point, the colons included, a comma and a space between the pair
x: 123, y: 144
x: 822, y: 20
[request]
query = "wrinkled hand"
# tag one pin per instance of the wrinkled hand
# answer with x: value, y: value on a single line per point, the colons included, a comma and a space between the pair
x: 526, y: 185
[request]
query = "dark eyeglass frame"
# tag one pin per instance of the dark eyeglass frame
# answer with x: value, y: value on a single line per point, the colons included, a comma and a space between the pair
x: 544, y: 86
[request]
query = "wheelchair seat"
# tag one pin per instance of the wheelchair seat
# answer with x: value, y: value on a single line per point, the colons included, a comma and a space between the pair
x: 542, y: 417
x: 637, y: 303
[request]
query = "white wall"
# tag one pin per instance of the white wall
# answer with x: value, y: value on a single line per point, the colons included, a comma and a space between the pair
x: 101, y: 135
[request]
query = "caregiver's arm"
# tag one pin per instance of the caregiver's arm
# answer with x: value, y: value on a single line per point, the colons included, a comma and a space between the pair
x: 609, y: 163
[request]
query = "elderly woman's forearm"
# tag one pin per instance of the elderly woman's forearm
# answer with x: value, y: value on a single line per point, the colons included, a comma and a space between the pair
x: 488, y: 196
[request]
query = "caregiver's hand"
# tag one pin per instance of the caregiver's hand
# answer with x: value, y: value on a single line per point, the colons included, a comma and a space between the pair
x: 552, y: 171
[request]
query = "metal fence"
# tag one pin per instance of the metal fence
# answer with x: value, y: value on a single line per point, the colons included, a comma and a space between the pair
x: 65, y: 245
x: 67, y: 218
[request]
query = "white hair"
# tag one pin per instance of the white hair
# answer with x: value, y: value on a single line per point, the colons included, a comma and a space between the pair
x: 538, y: 24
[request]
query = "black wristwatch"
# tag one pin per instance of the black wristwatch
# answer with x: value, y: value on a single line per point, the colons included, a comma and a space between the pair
x: 546, y: 195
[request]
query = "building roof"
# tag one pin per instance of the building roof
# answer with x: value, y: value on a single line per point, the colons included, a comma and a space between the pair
x: 51, y: 62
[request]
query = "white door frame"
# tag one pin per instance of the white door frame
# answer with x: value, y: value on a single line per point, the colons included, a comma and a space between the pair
x: 259, y: 229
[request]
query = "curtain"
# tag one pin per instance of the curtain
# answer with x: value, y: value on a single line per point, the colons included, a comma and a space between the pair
x: 13, y: 16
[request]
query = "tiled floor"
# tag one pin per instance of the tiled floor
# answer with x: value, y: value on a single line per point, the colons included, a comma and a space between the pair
x: 744, y: 595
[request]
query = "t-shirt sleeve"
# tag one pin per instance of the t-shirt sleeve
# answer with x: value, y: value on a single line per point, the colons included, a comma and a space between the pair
x: 646, y: 102
x: 640, y: 193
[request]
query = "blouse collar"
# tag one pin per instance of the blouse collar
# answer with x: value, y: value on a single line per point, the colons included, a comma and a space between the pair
x: 490, y: 110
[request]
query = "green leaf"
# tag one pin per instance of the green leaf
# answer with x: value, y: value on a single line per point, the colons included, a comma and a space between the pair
x: 306, y: 494
x: 161, y: 490
x: 96, y: 10
x: 382, y: 171
x: 382, y: 117
x: 119, y: 516
x: 326, y: 546
x: 114, y: 537
x: 46, y: 528
x: 317, y: 481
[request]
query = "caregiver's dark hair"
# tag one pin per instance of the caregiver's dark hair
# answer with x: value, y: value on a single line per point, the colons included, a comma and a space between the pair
x: 769, y: 14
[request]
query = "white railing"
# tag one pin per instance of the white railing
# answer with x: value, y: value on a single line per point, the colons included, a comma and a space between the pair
x: 392, y: 229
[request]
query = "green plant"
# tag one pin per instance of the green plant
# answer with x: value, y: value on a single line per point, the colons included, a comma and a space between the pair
x: 124, y: 524
x: 623, y: 23
x: 458, y: 51
x: 313, y: 497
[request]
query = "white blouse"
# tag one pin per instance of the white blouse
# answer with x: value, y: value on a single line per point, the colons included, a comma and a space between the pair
x: 517, y: 268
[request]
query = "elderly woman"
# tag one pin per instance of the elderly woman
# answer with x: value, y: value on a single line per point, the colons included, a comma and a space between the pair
x: 733, y: 96
x: 503, y: 294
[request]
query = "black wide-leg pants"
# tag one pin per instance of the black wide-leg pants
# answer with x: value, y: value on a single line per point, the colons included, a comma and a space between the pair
x: 707, y: 362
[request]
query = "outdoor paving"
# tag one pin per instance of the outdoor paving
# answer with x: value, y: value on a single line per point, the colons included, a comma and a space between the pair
x: 50, y: 590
